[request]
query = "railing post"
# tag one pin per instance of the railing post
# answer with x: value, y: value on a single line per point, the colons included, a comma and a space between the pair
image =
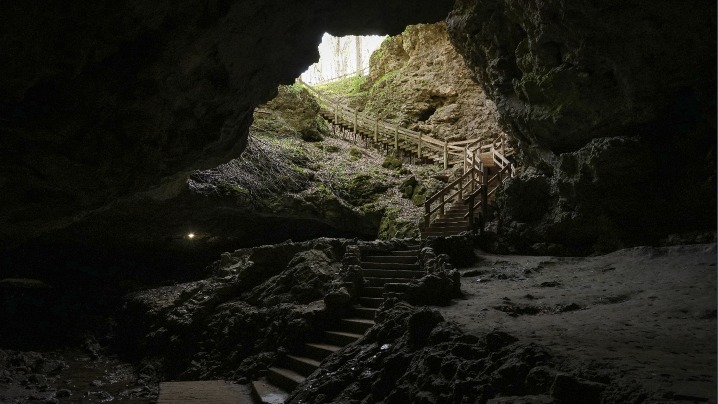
x: 446, y: 154
x: 441, y: 201
x: 471, y: 212
x: 396, y: 137
x: 418, y: 148
x: 376, y: 131
x: 427, y: 215
x: 466, y: 157
x: 484, y: 196
x: 355, y: 124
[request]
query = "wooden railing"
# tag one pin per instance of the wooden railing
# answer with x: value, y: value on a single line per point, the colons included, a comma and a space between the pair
x: 475, y: 186
x: 472, y: 189
x: 422, y: 145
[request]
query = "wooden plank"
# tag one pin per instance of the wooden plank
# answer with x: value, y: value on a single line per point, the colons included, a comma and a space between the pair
x: 207, y: 391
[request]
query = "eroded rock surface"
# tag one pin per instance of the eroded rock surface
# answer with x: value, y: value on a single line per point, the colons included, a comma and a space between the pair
x: 611, y: 103
x: 413, y: 355
x: 100, y: 101
x: 258, y: 303
x: 419, y: 80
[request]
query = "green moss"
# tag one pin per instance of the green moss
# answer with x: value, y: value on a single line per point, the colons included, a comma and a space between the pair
x: 364, y: 188
x: 391, y: 163
x: 354, y: 153
x: 392, y: 227
x: 345, y: 86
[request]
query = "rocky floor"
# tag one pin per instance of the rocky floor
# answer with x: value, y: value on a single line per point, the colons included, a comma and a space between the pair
x: 73, y: 375
x: 641, y: 315
x: 634, y: 326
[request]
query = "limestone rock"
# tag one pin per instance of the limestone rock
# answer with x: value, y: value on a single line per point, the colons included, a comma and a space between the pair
x: 610, y: 111
x: 418, y: 80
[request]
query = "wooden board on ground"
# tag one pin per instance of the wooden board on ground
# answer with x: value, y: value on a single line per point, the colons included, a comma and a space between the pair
x: 207, y: 391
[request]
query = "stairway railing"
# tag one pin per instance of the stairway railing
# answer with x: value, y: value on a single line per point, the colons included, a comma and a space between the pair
x: 420, y: 144
x: 475, y: 186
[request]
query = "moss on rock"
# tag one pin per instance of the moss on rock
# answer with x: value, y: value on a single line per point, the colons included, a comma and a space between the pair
x: 392, y: 163
x: 393, y: 227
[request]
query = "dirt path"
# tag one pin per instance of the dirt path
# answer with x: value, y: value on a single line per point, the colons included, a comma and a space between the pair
x: 646, y: 314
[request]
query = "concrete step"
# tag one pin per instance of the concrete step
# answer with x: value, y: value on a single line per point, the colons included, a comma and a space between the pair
x: 372, y: 292
x: 300, y: 364
x: 355, y: 325
x: 371, y: 301
x: 396, y: 259
x: 319, y: 351
x: 389, y: 265
x: 341, y: 338
x: 392, y: 273
x: 384, y: 281
x: 365, y: 312
x: 266, y: 393
x: 285, y: 379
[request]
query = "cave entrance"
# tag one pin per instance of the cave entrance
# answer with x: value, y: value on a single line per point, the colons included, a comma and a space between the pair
x: 342, y: 56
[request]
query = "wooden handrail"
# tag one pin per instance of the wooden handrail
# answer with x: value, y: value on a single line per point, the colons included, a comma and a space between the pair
x: 424, y: 144
x: 447, y: 188
x: 466, y: 152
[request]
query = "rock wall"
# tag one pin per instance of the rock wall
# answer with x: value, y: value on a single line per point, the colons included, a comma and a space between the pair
x: 611, y: 103
x: 100, y: 101
x: 419, y: 80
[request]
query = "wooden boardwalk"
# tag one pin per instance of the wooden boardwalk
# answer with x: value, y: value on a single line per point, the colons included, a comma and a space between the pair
x: 392, y: 136
x: 206, y: 392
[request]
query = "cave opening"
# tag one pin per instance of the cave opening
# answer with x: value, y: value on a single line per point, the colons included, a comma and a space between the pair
x: 132, y: 228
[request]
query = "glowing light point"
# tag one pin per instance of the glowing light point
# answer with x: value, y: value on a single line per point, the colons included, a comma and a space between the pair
x: 190, y: 236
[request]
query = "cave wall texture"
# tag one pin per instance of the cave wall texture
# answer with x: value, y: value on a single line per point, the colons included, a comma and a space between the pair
x: 108, y: 101
x: 103, y: 100
x: 613, y: 105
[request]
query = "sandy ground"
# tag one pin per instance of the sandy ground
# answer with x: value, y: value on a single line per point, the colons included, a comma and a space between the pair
x: 648, y: 314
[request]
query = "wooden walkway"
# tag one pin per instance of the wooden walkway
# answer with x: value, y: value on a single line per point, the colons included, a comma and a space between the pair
x: 454, y: 209
x: 392, y: 136
x: 210, y: 391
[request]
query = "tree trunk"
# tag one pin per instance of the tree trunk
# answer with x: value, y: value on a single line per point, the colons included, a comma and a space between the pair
x: 357, y: 44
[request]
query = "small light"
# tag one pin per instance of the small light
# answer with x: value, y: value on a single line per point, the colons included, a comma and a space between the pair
x: 190, y: 236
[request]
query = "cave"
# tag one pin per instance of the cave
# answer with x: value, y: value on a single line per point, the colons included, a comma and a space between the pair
x: 115, y: 117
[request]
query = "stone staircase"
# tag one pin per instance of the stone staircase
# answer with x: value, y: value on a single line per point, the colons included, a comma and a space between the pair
x: 291, y: 370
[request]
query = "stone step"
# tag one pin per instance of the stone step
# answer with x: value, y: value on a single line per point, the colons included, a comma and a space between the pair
x: 439, y: 234
x: 355, y: 325
x: 405, y: 253
x: 384, y: 281
x: 366, y: 312
x: 451, y: 221
x: 371, y: 301
x: 397, y: 259
x: 285, y: 379
x: 389, y: 265
x: 266, y: 393
x: 372, y: 291
x: 319, y: 351
x: 341, y: 338
x: 392, y: 273
x: 448, y: 227
x: 300, y: 364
